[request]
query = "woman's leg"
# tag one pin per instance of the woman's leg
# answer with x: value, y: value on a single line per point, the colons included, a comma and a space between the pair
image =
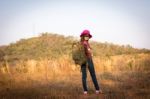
x: 92, y: 73
x: 84, y: 76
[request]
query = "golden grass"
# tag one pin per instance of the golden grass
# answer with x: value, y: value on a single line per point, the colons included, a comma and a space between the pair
x: 120, y: 77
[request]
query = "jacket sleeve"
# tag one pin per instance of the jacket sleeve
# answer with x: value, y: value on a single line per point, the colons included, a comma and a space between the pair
x: 87, y: 50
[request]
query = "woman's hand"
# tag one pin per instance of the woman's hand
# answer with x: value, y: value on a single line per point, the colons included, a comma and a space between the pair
x: 90, y: 52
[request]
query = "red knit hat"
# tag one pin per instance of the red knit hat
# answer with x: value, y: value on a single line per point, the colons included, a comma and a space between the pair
x: 86, y: 32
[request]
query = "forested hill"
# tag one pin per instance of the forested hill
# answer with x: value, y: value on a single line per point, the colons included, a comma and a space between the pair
x: 49, y: 45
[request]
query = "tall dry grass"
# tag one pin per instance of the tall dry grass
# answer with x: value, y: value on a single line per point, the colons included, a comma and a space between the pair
x: 120, y: 77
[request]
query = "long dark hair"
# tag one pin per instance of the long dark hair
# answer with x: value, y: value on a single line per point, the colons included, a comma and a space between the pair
x: 81, y: 38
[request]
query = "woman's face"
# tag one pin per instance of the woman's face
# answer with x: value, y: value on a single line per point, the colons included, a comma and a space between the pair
x: 86, y: 38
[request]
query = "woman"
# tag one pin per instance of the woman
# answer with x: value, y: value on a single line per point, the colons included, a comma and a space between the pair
x: 85, y: 36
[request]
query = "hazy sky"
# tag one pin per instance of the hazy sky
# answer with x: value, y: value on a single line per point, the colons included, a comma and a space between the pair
x: 114, y: 21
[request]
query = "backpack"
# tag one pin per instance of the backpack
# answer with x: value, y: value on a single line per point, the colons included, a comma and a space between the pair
x: 78, y: 53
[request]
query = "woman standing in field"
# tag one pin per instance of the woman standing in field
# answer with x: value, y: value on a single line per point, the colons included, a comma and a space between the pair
x: 85, y: 36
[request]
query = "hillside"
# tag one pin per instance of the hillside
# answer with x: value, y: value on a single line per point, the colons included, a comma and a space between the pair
x: 41, y: 68
x: 49, y: 45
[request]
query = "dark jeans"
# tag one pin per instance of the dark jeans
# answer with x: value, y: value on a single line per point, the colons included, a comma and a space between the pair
x: 92, y: 73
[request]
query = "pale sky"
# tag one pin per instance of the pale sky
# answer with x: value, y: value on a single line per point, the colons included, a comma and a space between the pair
x: 115, y: 21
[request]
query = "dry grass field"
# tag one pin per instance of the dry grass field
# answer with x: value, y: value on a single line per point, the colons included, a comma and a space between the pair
x: 120, y: 77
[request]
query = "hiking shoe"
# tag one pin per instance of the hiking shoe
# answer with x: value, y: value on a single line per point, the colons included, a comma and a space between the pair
x: 85, y: 92
x: 98, y: 92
